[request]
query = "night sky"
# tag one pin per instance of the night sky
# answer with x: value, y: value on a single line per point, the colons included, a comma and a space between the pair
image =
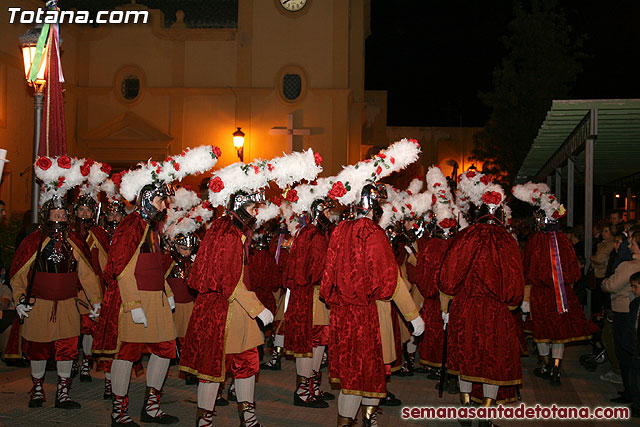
x: 433, y: 57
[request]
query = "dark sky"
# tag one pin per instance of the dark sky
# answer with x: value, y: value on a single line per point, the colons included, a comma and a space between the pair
x: 433, y: 57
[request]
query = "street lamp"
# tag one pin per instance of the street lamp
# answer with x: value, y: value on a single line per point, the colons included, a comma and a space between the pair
x: 238, y: 142
x: 29, y: 40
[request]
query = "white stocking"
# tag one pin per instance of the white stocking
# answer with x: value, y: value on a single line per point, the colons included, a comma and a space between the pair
x: 411, y: 345
x: 87, y: 345
x: 157, y: 371
x: 304, y: 365
x: 348, y: 405
x: 557, y: 351
x: 543, y: 348
x: 318, y: 352
x: 278, y: 341
x: 245, y: 389
x: 64, y: 368
x: 465, y: 386
x: 38, y: 367
x: 490, y: 391
x: 207, y: 394
x: 120, y: 376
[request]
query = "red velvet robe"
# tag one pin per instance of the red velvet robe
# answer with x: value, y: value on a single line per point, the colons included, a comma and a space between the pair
x: 214, y: 275
x: 126, y: 240
x: 548, y: 325
x: 430, y: 261
x: 263, y: 277
x: 360, y: 269
x: 304, y: 271
x: 483, y: 271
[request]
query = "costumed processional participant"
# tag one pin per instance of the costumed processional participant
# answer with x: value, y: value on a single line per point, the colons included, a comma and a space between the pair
x: 306, y: 316
x: 361, y: 279
x: 138, y: 302
x: 551, y: 268
x: 114, y: 213
x: 185, y: 216
x: 86, y: 216
x: 223, y: 334
x: 53, y: 283
x: 482, y: 293
x: 280, y: 247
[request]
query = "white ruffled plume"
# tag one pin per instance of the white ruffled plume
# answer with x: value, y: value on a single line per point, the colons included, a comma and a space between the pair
x: 56, y: 180
x: 387, y: 217
x: 134, y: 180
x: 290, y: 218
x: 415, y: 186
x: 109, y: 188
x: 189, y: 221
x: 470, y: 185
x: 530, y: 192
x: 492, y: 189
x: 292, y: 168
x: 308, y: 193
x: 354, y: 177
x: 249, y: 177
x: 266, y: 213
x: 181, y: 203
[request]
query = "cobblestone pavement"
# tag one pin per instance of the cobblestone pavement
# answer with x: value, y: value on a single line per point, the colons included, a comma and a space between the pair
x: 274, y: 392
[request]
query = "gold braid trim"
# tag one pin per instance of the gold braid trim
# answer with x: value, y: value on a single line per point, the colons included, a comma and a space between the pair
x: 30, y: 261
x: 587, y: 337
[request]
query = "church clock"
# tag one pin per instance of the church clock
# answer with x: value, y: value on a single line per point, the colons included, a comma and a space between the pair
x: 293, y: 5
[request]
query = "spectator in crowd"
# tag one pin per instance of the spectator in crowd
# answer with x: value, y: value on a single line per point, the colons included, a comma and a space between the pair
x: 632, y: 345
x: 576, y: 236
x: 615, y: 217
x: 624, y: 254
x: 599, y: 262
x: 619, y: 287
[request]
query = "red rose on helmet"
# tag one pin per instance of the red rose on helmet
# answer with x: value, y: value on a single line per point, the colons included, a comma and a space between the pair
x: 64, y: 162
x: 448, y: 223
x: 176, y: 166
x: 85, y: 169
x: 256, y: 169
x: 393, y: 160
x: 60, y: 181
x: 485, y: 179
x: 216, y: 184
x: 492, y: 198
x: 198, y: 218
x: 337, y: 190
x: 379, y: 170
x: 292, y: 196
x: 276, y: 200
x: 43, y: 163
x: 382, y: 156
x: 207, y: 205
x: 318, y: 158
x: 433, y: 199
x: 470, y: 174
x: 117, y: 179
x: 106, y: 168
x: 270, y: 167
x: 217, y: 151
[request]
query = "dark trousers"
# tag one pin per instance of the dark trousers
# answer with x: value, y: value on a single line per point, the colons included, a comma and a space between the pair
x: 620, y: 323
x: 634, y: 379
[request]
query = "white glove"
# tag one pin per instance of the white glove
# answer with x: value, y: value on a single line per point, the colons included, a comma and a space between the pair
x: 172, y: 302
x: 408, y: 249
x: 525, y: 307
x: 95, y: 313
x: 418, y: 326
x: 22, y: 310
x: 265, y: 316
x: 445, y: 319
x: 137, y: 314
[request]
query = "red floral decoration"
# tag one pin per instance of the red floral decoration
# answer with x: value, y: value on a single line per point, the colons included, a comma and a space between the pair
x: 256, y: 169
x: 85, y: 169
x: 470, y: 174
x: 176, y: 166
x: 292, y: 196
x: 492, y: 198
x: 392, y: 160
x: 270, y: 167
x: 117, y: 179
x: 379, y: 170
x: 337, y: 190
x: 64, y: 162
x: 485, y: 179
x: 216, y: 184
x: 448, y: 223
x: 217, y: 151
x: 433, y: 199
x: 276, y: 200
x: 382, y: 156
x: 198, y: 218
x: 43, y: 163
x: 60, y: 181
x: 318, y: 158
x: 106, y: 168
x: 207, y: 205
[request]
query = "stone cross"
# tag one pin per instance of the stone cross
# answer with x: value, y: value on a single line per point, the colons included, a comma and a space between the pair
x: 290, y: 132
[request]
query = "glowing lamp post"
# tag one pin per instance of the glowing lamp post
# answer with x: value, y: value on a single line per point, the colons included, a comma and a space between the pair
x: 238, y: 142
x: 29, y: 41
